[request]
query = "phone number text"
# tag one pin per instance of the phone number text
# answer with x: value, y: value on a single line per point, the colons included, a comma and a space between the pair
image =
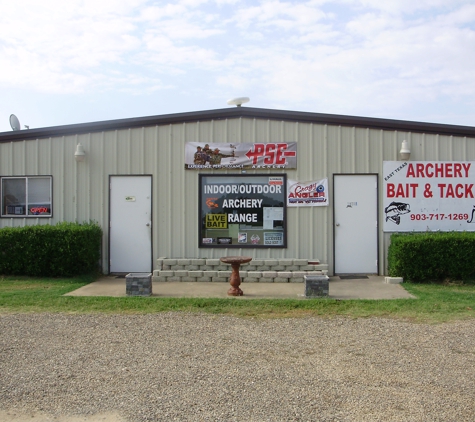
x: 418, y: 217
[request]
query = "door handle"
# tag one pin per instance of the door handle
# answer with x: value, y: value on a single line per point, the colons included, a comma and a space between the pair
x: 148, y: 224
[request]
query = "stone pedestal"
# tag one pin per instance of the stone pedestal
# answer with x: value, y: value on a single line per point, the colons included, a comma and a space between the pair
x: 316, y: 285
x: 138, y: 284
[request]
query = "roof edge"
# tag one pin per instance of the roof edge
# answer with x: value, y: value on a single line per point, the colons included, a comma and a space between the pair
x: 238, y: 112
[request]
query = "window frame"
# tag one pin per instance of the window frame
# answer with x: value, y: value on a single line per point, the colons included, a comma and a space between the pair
x: 27, y: 205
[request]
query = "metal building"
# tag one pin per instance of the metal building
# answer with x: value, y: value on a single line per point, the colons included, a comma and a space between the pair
x: 130, y: 176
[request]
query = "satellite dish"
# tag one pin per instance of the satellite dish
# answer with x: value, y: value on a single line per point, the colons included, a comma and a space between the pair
x: 238, y: 101
x: 14, y: 122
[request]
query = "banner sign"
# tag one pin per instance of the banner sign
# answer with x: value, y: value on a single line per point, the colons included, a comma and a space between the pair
x: 429, y: 196
x: 279, y: 155
x: 242, y: 211
x: 307, y: 194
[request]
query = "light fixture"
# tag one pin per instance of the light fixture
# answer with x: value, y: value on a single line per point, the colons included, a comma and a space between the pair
x: 80, y: 154
x: 405, y: 151
x: 238, y: 101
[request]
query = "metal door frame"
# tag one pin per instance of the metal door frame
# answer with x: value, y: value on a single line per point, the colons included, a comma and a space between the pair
x: 109, y: 217
x: 377, y: 218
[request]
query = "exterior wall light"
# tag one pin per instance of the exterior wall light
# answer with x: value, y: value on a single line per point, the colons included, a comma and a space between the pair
x: 80, y: 154
x: 405, y: 151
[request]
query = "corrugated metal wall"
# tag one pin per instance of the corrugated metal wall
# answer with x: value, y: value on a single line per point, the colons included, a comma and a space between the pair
x: 81, y: 190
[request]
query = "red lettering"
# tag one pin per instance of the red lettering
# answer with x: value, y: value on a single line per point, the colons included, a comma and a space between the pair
x: 255, y: 154
x: 448, y: 170
x: 468, y: 191
x: 441, y: 189
x: 431, y: 172
x: 410, y: 171
x: 439, y: 170
x: 466, y: 167
x: 270, y: 154
x: 279, y: 159
x: 458, y: 170
x: 420, y: 170
x: 407, y: 190
x: 38, y: 210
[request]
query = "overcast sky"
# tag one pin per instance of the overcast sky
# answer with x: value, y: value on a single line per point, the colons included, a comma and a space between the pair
x: 78, y: 61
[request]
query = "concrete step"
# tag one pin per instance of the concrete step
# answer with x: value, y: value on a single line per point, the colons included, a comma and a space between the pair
x: 258, y: 270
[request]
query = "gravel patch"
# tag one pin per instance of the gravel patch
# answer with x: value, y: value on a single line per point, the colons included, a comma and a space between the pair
x: 196, y: 367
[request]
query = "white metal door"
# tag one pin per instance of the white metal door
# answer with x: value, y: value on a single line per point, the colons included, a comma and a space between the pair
x: 130, y: 235
x: 356, y: 224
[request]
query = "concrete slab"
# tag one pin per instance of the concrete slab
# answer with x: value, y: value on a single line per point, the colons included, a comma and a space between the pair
x: 373, y: 287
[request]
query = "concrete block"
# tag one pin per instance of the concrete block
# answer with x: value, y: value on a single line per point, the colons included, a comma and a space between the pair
x: 157, y: 279
x: 266, y: 280
x: 174, y: 278
x: 257, y: 262
x: 255, y: 274
x: 286, y: 262
x: 250, y: 280
x: 204, y: 279
x: 263, y: 268
x: 316, y: 286
x: 195, y: 273
x: 210, y: 273
x: 226, y: 274
x: 296, y: 280
x: 192, y: 267
x: 269, y: 274
x: 300, y: 262
x: 169, y: 261
x: 219, y: 279
x: 181, y: 273
x: 183, y: 261
x: 285, y: 274
x: 393, y: 280
x: 281, y: 280
x: 167, y: 273
x: 270, y: 262
x: 199, y: 261
x: 213, y: 262
x: 138, y: 284
x: 177, y: 267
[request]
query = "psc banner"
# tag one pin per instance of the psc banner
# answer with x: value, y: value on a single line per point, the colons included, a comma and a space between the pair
x: 429, y: 196
x: 265, y: 156
x: 307, y: 194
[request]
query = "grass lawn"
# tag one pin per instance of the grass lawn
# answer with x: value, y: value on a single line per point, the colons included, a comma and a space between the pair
x: 435, y: 302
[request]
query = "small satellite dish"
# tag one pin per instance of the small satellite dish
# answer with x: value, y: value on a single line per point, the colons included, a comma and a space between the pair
x: 14, y: 122
x: 238, y: 101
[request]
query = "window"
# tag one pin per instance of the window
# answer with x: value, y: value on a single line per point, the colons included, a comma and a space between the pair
x: 26, y: 196
x: 243, y: 211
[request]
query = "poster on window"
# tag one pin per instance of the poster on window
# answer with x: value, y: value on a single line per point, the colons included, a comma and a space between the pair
x: 279, y: 155
x: 307, y: 194
x: 429, y: 196
x: 242, y: 211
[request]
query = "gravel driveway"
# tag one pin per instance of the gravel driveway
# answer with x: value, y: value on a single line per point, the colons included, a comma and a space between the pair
x: 195, y: 367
